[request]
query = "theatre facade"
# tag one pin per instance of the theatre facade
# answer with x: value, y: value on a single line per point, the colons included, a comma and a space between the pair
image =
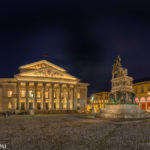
x: 42, y: 86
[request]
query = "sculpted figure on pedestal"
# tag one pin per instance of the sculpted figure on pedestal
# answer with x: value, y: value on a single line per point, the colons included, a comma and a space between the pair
x: 118, y: 70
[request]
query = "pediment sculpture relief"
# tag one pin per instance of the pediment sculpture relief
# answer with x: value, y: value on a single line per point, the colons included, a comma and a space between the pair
x: 39, y: 66
x: 47, y: 73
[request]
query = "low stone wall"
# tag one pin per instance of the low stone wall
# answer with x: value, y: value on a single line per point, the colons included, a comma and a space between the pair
x: 124, y: 111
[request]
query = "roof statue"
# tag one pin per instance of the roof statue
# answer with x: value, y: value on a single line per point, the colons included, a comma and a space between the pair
x: 118, y: 70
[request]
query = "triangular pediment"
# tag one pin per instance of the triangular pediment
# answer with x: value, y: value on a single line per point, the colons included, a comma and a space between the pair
x: 44, y: 69
x: 39, y: 65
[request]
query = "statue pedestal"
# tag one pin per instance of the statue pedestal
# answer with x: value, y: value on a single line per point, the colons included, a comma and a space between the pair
x: 123, y: 111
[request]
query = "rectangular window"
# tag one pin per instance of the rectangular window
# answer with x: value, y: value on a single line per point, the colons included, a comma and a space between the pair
x: 10, y: 93
x: 46, y: 94
x: 31, y: 95
x: 23, y: 93
x: 38, y: 94
x: 78, y: 95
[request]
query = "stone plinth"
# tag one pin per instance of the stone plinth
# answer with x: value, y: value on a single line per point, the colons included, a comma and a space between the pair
x: 122, y: 111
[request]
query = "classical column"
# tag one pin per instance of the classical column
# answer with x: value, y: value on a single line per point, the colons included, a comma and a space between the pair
x: 18, y: 95
x: 146, y: 105
x: 27, y: 95
x: 139, y: 104
x: 35, y: 97
x: 52, y: 96
x: 75, y: 98
x: 67, y: 97
x: 60, y: 103
x: 44, y: 104
x: 85, y: 97
x: 72, y: 98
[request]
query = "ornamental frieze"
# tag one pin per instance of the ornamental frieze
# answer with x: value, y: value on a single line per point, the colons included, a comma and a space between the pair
x: 48, y: 73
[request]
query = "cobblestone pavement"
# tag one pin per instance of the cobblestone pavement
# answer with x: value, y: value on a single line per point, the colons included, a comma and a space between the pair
x: 73, y: 132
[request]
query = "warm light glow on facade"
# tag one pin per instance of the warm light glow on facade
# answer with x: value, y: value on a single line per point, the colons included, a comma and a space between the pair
x: 142, y: 91
x: 9, y: 105
x: 10, y: 93
x: 42, y: 86
x: 22, y: 93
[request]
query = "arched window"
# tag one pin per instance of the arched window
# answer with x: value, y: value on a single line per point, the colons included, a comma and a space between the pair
x: 148, y: 99
x: 142, y: 99
x: 137, y: 100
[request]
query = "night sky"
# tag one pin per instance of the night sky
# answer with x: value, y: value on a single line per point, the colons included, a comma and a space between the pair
x: 82, y: 37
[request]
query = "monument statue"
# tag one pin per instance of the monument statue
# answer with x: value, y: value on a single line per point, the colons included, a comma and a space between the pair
x: 122, y: 91
x: 118, y: 70
x: 121, y: 98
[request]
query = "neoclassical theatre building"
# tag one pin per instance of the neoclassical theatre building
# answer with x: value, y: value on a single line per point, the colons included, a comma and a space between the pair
x: 42, y: 86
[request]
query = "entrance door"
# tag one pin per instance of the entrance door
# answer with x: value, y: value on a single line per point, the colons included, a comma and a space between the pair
x: 38, y: 106
x: 30, y: 105
x: 22, y: 106
x: 47, y: 106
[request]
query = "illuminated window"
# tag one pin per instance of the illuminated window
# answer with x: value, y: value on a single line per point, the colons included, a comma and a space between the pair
x: 9, y: 93
x: 22, y: 93
x: 38, y: 94
x: 9, y: 105
x: 46, y: 94
x: 78, y: 95
x: 31, y: 95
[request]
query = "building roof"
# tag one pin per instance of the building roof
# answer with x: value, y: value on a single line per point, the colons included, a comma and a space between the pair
x: 141, y: 81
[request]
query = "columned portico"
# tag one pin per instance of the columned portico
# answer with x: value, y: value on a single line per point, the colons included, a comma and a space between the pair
x: 43, y: 86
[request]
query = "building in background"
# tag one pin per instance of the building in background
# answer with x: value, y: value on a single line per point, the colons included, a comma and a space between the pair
x: 142, y: 91
x: 97, y: 101
x: 42, y: 86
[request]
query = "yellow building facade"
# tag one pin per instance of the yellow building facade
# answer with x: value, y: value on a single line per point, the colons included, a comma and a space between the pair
x: 142, y: 91
x: 97, y: 101
x: 42, y: 86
